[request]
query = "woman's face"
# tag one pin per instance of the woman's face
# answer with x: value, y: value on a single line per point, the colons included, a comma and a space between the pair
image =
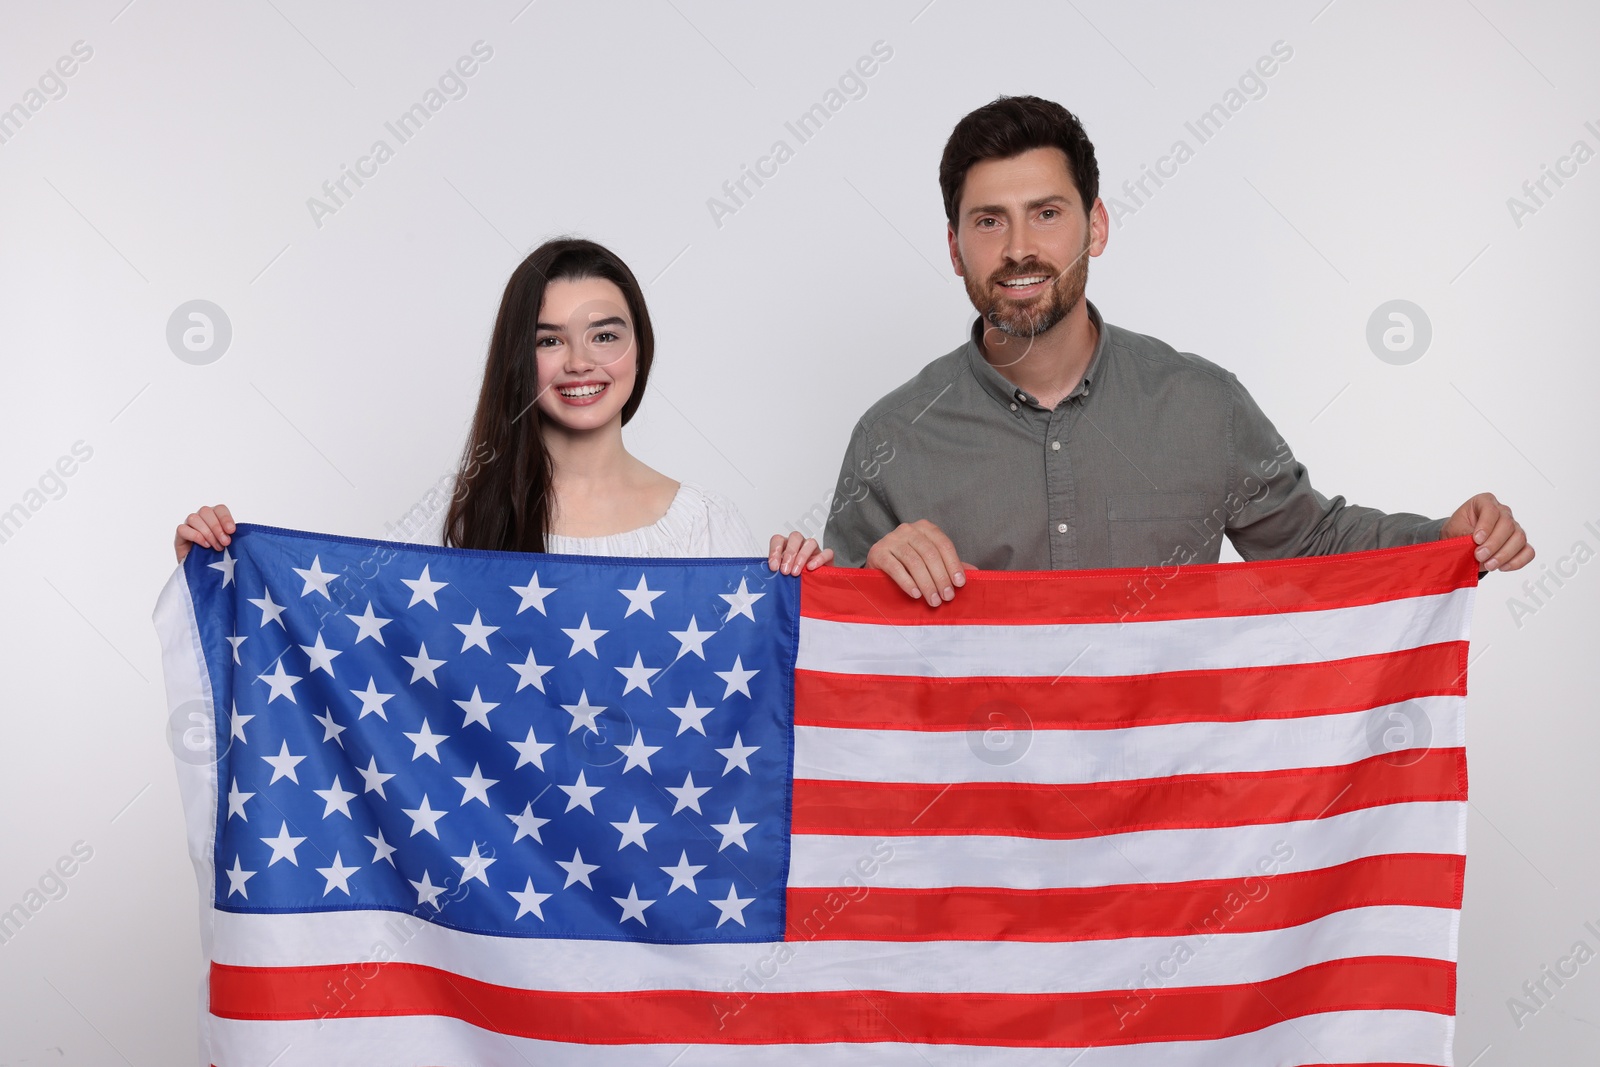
x: 587, y: 354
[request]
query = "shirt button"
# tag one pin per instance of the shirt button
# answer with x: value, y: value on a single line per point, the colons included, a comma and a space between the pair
x: 1061, y: 528
x: 1055, y: 446
x: 1013, y: 407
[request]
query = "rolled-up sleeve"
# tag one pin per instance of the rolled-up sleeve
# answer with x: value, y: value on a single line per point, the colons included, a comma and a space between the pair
x: 1282, y: 515
x: 858, y: 514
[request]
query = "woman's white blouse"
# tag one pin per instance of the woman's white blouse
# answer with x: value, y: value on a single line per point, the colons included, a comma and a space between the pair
x: 698, y: 522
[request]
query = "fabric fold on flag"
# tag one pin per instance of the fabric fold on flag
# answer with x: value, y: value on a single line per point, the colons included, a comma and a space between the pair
x: 457, y: 807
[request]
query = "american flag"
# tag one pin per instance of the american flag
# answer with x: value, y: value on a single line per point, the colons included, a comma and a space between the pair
x: 453, y: 807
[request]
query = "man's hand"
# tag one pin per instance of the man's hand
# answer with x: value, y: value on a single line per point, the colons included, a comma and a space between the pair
x: 1502, y: 544
x: 921, y: 560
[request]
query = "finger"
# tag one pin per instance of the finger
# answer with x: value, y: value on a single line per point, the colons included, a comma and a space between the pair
x: 938, y: 560
x: 916, y: 561
x: 198, y: 531
x: 1499, y: 534
x: 182, y: 548
x: 889, y: 564
x: 228, y: 525
x: 808, y: 549
x: 1508, y: 549
x: 1520, y: 560
x: 949, y: 561
x: 821, y: 559
x: 773, y: 547
x: 214, y: 525
x: 790, y: 548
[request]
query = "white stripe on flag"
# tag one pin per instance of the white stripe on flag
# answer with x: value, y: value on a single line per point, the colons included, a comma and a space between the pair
x: 1081, y: 756
x: 1139, y: 857
x: 1118, y: 649
x: 578, y: 966
x: 1330, y: 1037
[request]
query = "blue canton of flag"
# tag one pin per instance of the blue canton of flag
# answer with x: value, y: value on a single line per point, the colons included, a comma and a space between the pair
x: 604, y: 752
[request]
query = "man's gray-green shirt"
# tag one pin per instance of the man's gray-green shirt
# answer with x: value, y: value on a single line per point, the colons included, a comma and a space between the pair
x: 1149, y: 461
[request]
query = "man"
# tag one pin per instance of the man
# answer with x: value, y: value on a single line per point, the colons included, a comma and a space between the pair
x: 1051, y: 440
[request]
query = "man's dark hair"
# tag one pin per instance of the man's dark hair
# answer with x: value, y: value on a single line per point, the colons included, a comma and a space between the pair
x: 1009, y: 126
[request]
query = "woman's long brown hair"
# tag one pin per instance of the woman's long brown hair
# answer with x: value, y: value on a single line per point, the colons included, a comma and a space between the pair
x: 503, y: 497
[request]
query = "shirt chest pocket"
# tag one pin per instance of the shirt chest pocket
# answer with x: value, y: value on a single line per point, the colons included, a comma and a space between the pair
x: 1146, y: 529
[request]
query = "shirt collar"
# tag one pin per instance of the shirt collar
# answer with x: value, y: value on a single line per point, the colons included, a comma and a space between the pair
x: 1003, y: 389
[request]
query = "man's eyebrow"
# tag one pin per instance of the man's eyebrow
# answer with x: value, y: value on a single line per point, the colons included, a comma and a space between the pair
x: 1000, y: 209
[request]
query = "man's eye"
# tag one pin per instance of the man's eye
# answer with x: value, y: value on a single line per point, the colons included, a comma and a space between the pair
x: 1049, y: 211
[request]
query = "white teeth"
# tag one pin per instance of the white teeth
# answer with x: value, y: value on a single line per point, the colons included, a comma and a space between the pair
x: 581, y: 391
x: 1021, y: 283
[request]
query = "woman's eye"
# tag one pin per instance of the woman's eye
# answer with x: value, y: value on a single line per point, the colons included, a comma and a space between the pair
x: 605, y: 335
x: 541, y: 342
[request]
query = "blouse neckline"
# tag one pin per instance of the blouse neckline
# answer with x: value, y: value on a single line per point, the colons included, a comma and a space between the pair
x: 679, y: 501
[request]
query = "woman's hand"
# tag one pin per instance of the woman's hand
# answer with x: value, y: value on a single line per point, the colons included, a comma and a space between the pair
x: 793, y: 553
x: 208, y: 526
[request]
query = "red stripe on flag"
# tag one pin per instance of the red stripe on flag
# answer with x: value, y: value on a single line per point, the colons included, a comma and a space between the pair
x: 716, y: 1017
x: 864, y: 912
x: 1281, y: 692
x: 1180, y: 802
x: 1267, y: 587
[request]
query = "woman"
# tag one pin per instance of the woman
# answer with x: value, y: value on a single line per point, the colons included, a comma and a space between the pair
x: 545, y: 468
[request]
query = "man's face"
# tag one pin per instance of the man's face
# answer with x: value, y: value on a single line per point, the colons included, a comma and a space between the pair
x: 1022, y: 242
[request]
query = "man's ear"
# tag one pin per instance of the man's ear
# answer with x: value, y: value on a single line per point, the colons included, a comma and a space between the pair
x: 1099, y: 227
x: 955, y: 250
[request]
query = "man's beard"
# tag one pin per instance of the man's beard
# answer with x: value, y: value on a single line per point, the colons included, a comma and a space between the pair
x: 1034, y: 316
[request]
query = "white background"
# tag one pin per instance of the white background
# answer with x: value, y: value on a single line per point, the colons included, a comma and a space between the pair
x: 178, y: 165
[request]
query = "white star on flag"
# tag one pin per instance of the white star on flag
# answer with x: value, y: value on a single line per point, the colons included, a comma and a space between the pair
x: 320, y: 655
x: 530, y: 673
x: 225, y: 566
x: 283, y: 846
x: 633, y: 831
x: 424, y: 820
x: 690, y: 716
x: 737, y: 677
x: 425, y: 741
x: 338, y: 876
x: 422, y: 665
x: 335, y: 798
x: 474, y: 865
x: 740, y: 602
x: 638, y: 675
x: 688, y: 794
x: 640, y: 598
x: 683, y: 874
x: 475, y: 633
x: 731, y: 907
x: 282, y: 683
x: 476, y: 786
x: 532, y: 595
x: 238, y: 876
x: 422, y: 589
x: 316, y: 578
x: 369, y: 625
x: 283, y: 764
x: 528, y: 901
x: 270, y: 612
x: 584, y: 637
x: 372, y: 701
x: 733, y: 831
x: 477, y: 710
x: 691, y: 640
x: 632, y: 906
